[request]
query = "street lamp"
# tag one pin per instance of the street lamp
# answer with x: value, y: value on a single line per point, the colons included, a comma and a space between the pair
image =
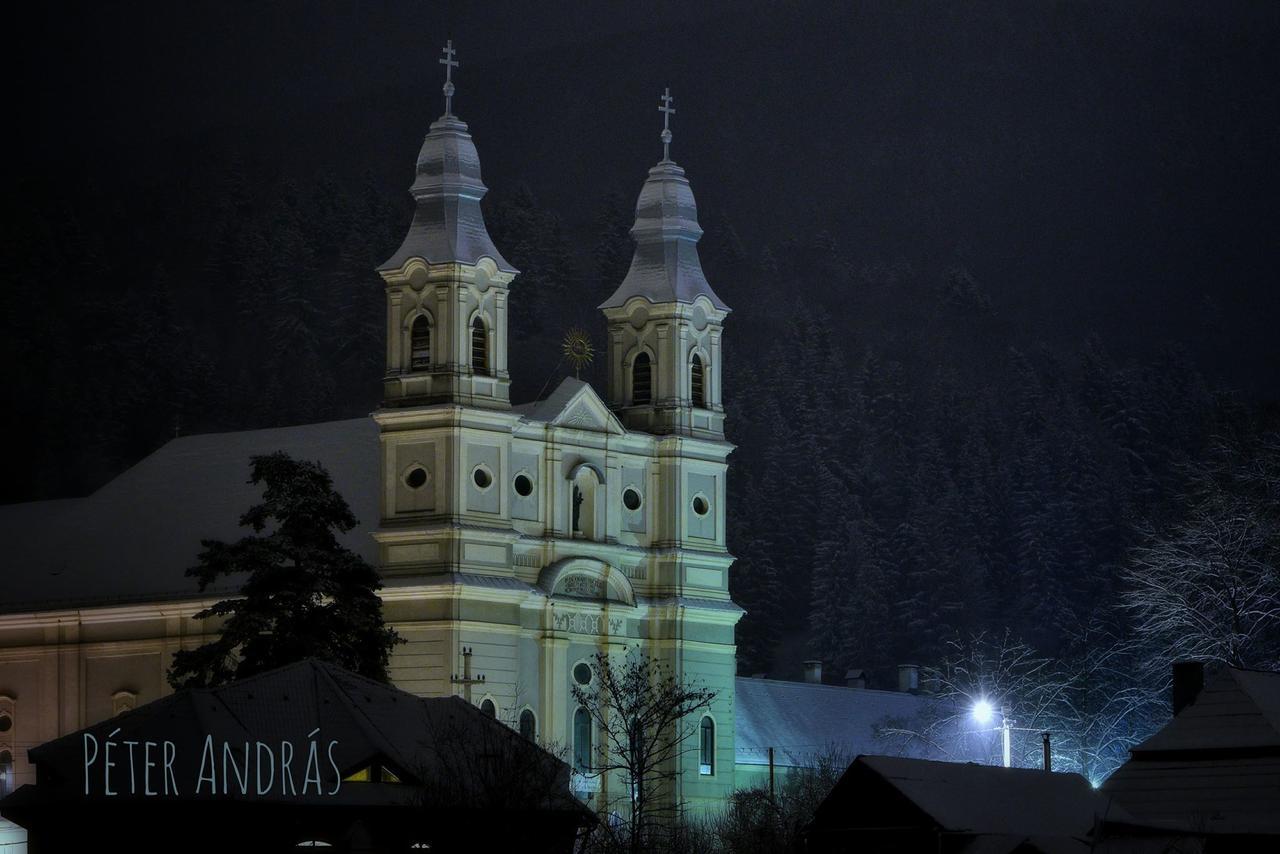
x: 982, y: 711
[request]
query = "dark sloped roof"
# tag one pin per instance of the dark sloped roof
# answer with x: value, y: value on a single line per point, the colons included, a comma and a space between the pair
x: 455, y: 749
x: 801, y: 720
x: 1237, y: 795
x: 1235, y: 709
x: 132, y: 540
x: 963, y: 797
x: 1216, y: 766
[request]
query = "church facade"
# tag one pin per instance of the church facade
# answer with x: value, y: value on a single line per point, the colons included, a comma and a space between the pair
x: 515, y: 542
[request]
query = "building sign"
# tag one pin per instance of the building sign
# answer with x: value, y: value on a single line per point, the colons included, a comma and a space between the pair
x: 586, y: 586
x: 586, y: 624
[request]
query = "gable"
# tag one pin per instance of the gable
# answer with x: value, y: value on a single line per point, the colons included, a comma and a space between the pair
x: 574, y: 404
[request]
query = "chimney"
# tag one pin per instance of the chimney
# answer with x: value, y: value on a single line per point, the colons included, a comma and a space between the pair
x: 855, y: 678
x: 1188, y: 679
x: 908, y: 678
x: 813, y: 671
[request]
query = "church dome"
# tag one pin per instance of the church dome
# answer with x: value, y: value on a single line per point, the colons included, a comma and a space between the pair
x: 447, y: 223
x: 665, y: 266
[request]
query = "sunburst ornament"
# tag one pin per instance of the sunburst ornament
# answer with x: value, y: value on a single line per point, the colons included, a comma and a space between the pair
x: 577, y: 349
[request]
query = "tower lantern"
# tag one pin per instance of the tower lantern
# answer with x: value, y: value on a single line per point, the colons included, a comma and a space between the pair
x: 447, y: 284
x: 665, y: 321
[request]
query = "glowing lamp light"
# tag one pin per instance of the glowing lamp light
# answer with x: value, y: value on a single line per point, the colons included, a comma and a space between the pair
x: 983, y: 711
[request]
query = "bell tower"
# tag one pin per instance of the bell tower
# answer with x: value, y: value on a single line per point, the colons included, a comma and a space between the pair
x: 447, y: 284
x: 665, y: 321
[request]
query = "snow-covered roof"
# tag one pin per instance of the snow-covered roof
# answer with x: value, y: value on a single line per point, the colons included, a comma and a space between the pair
x: 964, y: 797
x: 546, y: 409
x: 1216, y: 766
x: 1236, y: 708
x: 447, y: 223
x: 802, y: 720
x: 573, y: 403
x: 665, y: 266
x: 132, y: 540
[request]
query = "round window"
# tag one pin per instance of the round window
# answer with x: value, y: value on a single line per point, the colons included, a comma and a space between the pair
x: 631, y: 498
x: 6, y: 723
x: 416, y: 478
x: 582, y: 673
x: 524, y: 485
x: 700, y: 505
x: 482, y: 477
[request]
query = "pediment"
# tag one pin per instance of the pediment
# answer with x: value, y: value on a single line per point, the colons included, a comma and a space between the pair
x: 575, y: 404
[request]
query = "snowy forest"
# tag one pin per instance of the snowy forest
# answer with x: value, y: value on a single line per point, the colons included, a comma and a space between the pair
x: 909, y: 470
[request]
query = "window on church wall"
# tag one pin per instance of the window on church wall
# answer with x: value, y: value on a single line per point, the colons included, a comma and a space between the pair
x: 479, y: 347
x: 697, y: 382
x: 582, y: 741
x: 528, y: 725
x: 489, y: 709
x: 6, y: 772
x: 420, y: 344
x: 641, y: 380
x: 707, y: 746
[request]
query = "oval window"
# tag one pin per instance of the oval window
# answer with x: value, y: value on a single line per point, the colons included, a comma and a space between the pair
x: 482, y: 478
x: 631, y: 498
x: 700, y: 505
x: 6, y: 723
x: 524, y: 485
x: 582, y: 673
x: 416, y: 478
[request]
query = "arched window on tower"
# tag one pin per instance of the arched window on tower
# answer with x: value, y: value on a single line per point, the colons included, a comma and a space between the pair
x: 697, y: 382
x: 479, y: 347
x: 488, y: 708
x: 420, y: 344
x: 641, y: 381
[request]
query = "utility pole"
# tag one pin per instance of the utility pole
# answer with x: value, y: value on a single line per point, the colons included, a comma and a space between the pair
x: 770, y: 773
x: 467, y: 680
x: 1006, y: 727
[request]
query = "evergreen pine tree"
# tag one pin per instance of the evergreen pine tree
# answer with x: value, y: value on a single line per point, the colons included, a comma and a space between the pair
x: 304, y: 594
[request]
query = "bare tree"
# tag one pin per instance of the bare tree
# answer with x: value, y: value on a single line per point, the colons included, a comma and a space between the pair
x: 469, y: 765
x: 1103, y: 702
x: 1092, y: 702
x: 1207, y: 588
x: 998, y: 670
x: 758, y: 821
x: 643, y: 713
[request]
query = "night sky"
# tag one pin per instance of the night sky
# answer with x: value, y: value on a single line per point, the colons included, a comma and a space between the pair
x: 1104, y: 167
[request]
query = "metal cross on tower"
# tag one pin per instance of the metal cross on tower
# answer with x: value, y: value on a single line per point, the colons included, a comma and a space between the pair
x: 666, y: 109
x: 449, y: 64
